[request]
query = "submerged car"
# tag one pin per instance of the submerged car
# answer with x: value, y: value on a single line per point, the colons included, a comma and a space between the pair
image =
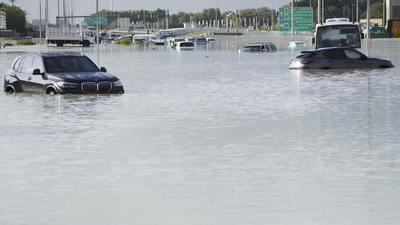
x: 336, y: 58
x: 260, y: 47
x: 184, y: 45
x: 59, y: 73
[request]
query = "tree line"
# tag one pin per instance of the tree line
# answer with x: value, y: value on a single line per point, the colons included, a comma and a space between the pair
x: 16, y: 18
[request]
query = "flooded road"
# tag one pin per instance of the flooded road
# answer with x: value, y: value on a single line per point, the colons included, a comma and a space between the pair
x: 210, y: 136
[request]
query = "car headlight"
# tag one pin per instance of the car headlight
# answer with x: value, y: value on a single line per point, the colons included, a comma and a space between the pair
x: 67, y: 85
x: 117, y: 83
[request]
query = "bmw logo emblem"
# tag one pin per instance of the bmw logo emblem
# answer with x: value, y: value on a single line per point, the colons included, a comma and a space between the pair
x: 95, y: 79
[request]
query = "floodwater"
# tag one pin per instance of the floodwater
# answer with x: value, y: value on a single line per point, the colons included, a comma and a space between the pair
x: 211, y: 136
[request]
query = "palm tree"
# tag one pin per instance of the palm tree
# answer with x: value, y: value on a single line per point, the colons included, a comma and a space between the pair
x: 12, y: 2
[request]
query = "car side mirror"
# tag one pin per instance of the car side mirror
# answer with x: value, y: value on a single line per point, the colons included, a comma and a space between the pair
x: 362, y: 35
x: 37, y: 72
x: 313, y: 40
x: 364, y: 57
x: 103, y: 69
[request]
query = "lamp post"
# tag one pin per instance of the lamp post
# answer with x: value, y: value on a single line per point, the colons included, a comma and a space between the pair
x: 144, y: 18
x: 40, y: 20
x: 216, y: 14
x: 352, y: 15
x: 356, y: 10
x: 190, y: 12
x: 255, y: 28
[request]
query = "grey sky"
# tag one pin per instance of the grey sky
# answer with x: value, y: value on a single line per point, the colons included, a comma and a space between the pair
x: 85, y: 7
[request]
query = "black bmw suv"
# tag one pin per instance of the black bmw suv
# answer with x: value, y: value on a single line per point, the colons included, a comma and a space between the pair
x: 59, y: 73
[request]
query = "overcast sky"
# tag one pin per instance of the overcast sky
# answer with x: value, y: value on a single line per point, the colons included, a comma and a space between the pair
x: 86, y: 7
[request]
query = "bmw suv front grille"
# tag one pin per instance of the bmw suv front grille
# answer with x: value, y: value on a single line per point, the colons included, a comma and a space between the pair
x: 93, y: 87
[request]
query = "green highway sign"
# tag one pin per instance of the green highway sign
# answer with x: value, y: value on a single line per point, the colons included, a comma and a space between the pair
x: 303, y: 19
x: 93, y: 20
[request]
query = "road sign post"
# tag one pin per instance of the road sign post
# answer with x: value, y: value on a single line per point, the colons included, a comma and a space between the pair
x: 303, y: 19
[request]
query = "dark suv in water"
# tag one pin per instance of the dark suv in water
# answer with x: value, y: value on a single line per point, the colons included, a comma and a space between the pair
x: 59, y: 73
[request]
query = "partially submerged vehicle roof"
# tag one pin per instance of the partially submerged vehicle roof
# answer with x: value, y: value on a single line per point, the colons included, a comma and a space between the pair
x: 54, y: 54
x: 261, y: 43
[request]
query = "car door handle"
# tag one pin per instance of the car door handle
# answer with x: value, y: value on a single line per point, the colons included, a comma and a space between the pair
x: 330, y: 61
x: 29, y: 78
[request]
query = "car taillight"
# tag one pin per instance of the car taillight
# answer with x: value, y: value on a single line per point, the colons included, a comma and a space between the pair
x: 306, y: 61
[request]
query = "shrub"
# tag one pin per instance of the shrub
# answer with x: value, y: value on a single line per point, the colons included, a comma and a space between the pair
x: 123, y: 41
x: 25, y: 42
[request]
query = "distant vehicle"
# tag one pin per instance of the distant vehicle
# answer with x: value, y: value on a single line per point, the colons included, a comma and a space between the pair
x: 338, y: 32
x: 164, y: 34
x: 59, y: 73
x: 209, y: 33
x: 184, y: 45
x: 111, y: 37
x: 191, y: 39
x: 201, y: 40
x: 211, y: 40
x: 143, y: 38
x: 337, y: 58
x: 293, y: 44
x: 172, y: 41
x: 28, y: 37
x: 260, y: 47
x: 65, y: 35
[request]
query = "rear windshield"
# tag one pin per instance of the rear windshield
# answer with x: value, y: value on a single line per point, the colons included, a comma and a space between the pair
x: 305, y: 55
x: 185, y: 44
x: 69, y: 64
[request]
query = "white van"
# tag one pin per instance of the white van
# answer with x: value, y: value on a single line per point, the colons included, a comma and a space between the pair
x: 143, y: 38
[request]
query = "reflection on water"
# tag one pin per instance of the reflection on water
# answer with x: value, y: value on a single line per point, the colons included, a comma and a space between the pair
x: 210, y: 136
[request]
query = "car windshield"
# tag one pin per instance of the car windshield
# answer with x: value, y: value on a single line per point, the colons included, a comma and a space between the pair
x: 69, y: 64
x: 273, y: 48
x: 338, y: 35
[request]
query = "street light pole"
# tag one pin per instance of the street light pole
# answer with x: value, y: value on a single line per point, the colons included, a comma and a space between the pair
x: 190, y: 12
x: 144, y: 18
x: 216, y: 14
x: 357, y: 11
x: 40, y: 20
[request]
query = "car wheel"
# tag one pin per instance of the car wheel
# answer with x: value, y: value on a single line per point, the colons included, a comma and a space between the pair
x: 51, y: 91
x: 9, y: 89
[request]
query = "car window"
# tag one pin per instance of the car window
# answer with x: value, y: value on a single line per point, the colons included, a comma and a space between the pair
x: 70, y: 64
x: 273, y: 47
x: 351, y: 54
x: 305, y: 55
x: 17, y: 64
x: 265, y: 48
x: 27, y: 65
x: 334, y: 54
x: 37, y: 63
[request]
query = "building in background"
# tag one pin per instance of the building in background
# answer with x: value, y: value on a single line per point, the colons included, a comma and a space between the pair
x: 2, y: 20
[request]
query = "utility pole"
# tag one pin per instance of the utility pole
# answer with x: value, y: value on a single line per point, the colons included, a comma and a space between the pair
x: 40, y: 20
